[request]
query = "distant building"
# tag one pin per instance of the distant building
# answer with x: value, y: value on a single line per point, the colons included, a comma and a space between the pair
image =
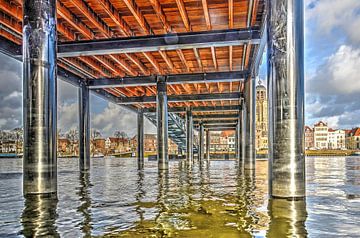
x: 150, y: 144
x: 336, y: 139
x: 353, y: 139
x: 117, y: 145
x: 261, y: 135
x: 321, y: 135
x: 98, y: 146
x: 222, y: 141
x: 63, y: 146
x: 309, y: 137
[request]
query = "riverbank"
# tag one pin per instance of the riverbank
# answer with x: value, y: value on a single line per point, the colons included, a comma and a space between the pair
x: 330, y: 152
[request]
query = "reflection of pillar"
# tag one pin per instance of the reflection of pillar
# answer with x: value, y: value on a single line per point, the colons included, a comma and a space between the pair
x: 85, y: 205
x: 208, y: 142
x: 249, y: 109
x: 39, y: 97
x: 139, y: 195
x: 140, y: 139
x: 39, y: 216
x: 84, y: 128
x: 201, y: 142
x: 287, y: 218
x: 189, y: 136
x: 286, y: 98
x: 162, y: 124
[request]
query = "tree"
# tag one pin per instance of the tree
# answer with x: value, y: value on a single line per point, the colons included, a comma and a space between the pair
x: 95, y: 134
x: 72, y: 136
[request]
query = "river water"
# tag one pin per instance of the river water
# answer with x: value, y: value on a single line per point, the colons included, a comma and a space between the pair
x: 212, y: 200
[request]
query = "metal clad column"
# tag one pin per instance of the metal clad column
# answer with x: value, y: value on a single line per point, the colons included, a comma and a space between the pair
x: 237, y: 140
x: 162, y: 123
x: 39, y: 97
x: 208, y: 144
x: 201, y: 141
x: 249, y: 110
x: 286, y: 98
x: 189, y: 136
x: 84, y: 128
x: 243, y: 132
x: 140, y: 139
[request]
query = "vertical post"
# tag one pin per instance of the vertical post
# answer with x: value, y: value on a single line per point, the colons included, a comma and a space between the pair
x: 237, y: 140
x: 286, y: 98
x: 208, y: 144
x: 39, y: 97
x: 243, y: 132
x: 140, y: 139
x: 189, y: 136
x: 84, y: 128
x: 201, y: 142
x: 249, y: 110
x: 162, y: 123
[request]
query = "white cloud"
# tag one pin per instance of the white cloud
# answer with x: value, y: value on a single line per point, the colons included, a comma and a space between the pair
x: 330, y: 15
x: 340, y: 74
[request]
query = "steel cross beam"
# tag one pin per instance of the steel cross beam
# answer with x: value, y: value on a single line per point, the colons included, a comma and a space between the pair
x: 215, y: 116
x: 222, y: 129
x: 229, y: 108
x: 216, y: 77
x: 172, y: 41
x: 217, y: 123
x: 180, y: 98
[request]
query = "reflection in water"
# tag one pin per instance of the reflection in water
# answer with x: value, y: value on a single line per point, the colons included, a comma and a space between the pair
x: 85, y: 205
x: 287, y: 218
x: 214, y: 200
x: 39, y: 215
x: 140, y: 194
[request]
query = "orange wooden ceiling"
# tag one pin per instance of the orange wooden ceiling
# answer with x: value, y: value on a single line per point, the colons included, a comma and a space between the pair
x: 98, y: 19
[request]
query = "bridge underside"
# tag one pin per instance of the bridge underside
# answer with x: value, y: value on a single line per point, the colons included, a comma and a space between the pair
x: 184, y: 65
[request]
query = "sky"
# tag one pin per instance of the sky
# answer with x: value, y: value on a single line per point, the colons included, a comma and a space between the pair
x: 332, y: 78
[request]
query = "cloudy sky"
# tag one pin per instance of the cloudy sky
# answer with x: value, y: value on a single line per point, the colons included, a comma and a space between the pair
x: 332, y: 59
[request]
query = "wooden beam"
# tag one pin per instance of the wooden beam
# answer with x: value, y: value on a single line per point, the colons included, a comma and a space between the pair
x: 153, y: 62
x: 183, y: 14
x: 183, y: 60
x: 134, y: 9
x: 161, y: 15
x: 206, y: 14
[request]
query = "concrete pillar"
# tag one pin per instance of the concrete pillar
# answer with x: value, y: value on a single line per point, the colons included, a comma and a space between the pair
x: 189, y: 136
x: 84, y: 128
x: 201, y: 142
x: 162, y: 123
x: 286, y: 98
x: 140, y: 139
x: 39, y: 97
x: 208, y: 144
x: 249, y: 109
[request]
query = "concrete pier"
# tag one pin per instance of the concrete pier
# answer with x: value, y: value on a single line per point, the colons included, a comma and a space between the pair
x: 208, y: 143
x: 39, y: 97
x: 140, y: 139
x: 237, y: 140
x: 162, y: 123
x: 249, y: 110
x: 84, y: 128
x: 189, y: 136
x: 286, y: 98
x: 201, y: 142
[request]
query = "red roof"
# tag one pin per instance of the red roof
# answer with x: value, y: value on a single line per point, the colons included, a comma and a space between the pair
x: 307, y: 128
x: 356, y: 131
x: 331, y: 130
x: 320, y: 123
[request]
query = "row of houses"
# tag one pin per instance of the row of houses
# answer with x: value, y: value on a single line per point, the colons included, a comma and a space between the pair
x: 113, y: 145
x: 323, y: 137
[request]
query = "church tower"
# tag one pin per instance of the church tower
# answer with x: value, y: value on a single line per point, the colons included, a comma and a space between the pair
x: 261, y: 141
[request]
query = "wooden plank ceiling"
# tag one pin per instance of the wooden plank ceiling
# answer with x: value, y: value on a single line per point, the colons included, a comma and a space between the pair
x: 99, y: 19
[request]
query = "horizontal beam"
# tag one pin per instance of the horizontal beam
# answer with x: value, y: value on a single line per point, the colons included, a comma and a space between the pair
x: 229, y: 108
x: 215, y: 77
x: 218, y: 122
x: 215, y: 116
x: 172, y: 41
x: 222, y: 129
x: 181, y: 98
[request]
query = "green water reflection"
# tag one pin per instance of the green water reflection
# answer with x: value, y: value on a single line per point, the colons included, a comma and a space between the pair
x: 199, y: 200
